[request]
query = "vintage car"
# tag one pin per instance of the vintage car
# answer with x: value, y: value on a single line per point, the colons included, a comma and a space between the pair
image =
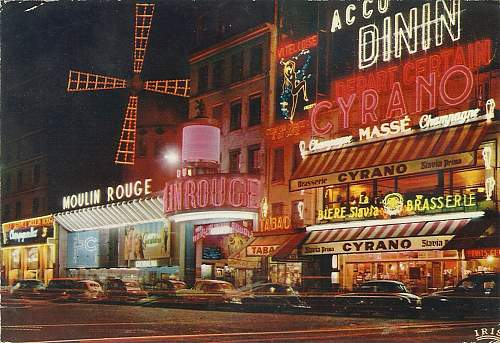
x: 163, y: 293
x: 123, y: 291
x: 476, y: 295
x: 271, y: 297
x: 209, y: 293
x: 58, y: 288
x: 85, y: 290
x: 379, y: 297
x: 27, y: 288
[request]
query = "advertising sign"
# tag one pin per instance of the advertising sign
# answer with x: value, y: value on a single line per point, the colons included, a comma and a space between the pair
x: 144, y: 241
x: 261, y: 250
x: 90, y: 249
x: 211, y: 191
x: 378, y: 245
x: 296, y: 77
x: 481, y: 253
x: 403, y: 168
x: 243, y: 227
x: 27, y: 235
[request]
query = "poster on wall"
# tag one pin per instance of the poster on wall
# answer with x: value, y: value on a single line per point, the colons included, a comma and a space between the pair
x: 296, y: 77
x: 144, y: 242
x: 32, y: 258
x: 15, y: 259
x: 90, y: 249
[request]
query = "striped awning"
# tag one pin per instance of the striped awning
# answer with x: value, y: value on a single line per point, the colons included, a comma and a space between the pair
x: 431, y: 144
x: 112, y: 215
x: 430, y: 228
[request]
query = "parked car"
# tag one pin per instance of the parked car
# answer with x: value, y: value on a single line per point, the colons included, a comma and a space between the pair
x: 379, y: 296
x: 209, y: 293
x: 85, y: 290
x: 27, y: 288
x: 124, y: 291
x: 271, y: 297
x: 57, y: 289
x: 477, y: 294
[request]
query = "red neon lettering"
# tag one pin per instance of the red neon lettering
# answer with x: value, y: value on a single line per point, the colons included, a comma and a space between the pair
x: 218, y: 193
x: 483, y: 52
x: 178, y: 196
x: 252, y: 193
x: 202, y: 196
x: 460, y: 69
x: 407, y: 79
x: 430, y: 88
x: 346, y: 107
x: 369, y: 102
x: 314, y: 121
x: 189, y: 194
x: 237, y: 192
x: 396, y: 103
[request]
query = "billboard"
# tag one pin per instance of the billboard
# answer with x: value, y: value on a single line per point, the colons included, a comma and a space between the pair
x: 90, y: 249
x: 144, y: 242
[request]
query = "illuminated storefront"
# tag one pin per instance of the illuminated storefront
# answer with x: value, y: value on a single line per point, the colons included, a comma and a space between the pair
x: 28, y: 249
x: 214, y: 216
x: 402, y: 157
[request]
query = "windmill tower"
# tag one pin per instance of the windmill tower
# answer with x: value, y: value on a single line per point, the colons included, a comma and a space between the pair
x: 81, y: 81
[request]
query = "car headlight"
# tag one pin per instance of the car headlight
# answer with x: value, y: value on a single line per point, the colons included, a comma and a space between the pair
x: 443, y: 299
x: 419, y: 302
x: 235, y: 300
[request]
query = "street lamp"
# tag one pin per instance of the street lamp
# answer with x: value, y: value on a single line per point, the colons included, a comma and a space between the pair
x: 171, y: 157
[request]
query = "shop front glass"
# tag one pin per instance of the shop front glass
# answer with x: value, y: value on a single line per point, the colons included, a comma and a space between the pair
x: 289, y: 273
x: 421, y: 271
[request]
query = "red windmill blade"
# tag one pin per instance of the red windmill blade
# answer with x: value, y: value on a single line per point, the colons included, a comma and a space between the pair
x: 81, y: 81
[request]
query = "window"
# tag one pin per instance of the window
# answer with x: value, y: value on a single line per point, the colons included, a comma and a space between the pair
x: 277, y: 209
x: 254, y: 159
x: 235, y: 123
x: 361, y: 194
x: 218, y: 74
x: 217, y: 112
x: 18, y: 210
x: 278, y: 162
x: 298, y: 213
x: 237, y: 67
x: 335, y: 197
x: 254, y: 110
x: 202, y: 79
x: 36, y: 174
x: 35, y: 206
x: 19, y: 179
x: 256, y: 60
x: 234, y: 161
x: 419, y: 184
x: 6, y: 213
x: 297, y: 157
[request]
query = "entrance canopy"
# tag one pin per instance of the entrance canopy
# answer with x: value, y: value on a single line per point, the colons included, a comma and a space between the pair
x: 318, y: 170
x: 479, y: 233
x: 112, y: 215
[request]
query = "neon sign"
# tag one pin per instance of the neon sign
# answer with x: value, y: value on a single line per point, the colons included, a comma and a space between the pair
x: 296, y: 79
x: 275, y: 223
x: 387, y: 41
x: 394, y: 204
x: 211, y: 191
x: 242, y: 227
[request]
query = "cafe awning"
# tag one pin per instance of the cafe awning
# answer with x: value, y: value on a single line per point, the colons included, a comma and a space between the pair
x: 417, y: 229
x: 112, y: 215
x: 447, y: 141
x: 478, y: 233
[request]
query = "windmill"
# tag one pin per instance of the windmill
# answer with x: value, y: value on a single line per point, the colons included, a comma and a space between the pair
x: 81, y: 81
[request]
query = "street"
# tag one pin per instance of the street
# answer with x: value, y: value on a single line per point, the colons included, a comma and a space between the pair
x: 44, y: 321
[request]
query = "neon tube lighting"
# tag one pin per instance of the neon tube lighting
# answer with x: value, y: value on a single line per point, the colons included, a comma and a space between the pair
x: 183, y: 217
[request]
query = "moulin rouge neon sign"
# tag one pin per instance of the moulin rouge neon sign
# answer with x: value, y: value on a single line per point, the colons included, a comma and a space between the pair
x: 409, y: 31
x: 211, y: 191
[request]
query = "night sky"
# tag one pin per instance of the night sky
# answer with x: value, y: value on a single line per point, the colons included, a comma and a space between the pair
x: 38, y: 48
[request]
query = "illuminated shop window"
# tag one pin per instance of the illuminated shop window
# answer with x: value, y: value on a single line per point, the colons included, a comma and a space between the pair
x: 469, y: 181
x: 202, y: 79
x: 335, y: 196
x: 218, y: 74
x: 278, y: 164
x: 361, y: 194
x: 419, y: 184
x: 385, y: 186
x: 254, y: 110
x: 234, y: 160
x: 256, y: 60
x: 237, y: 67
x: 297, y: 217
x: 254, y: 159
x: 235, y: 122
